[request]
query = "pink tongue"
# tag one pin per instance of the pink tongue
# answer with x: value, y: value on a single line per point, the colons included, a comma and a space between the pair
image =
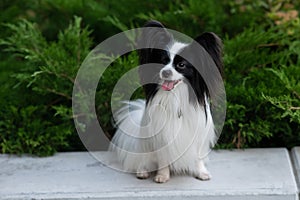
x: 168, y: 85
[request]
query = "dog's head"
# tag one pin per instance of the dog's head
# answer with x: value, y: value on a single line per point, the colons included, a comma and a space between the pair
x: 192, y: 63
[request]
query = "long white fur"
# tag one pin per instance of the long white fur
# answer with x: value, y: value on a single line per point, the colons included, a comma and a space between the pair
x: 168, y: 131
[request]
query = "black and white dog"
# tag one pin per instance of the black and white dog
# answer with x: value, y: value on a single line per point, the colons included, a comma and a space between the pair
x: 173, y: 129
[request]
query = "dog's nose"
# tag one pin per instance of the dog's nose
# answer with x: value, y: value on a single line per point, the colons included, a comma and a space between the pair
x: 166, y: 73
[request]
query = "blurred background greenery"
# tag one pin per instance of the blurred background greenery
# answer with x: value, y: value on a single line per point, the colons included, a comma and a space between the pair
x: 43, y: 43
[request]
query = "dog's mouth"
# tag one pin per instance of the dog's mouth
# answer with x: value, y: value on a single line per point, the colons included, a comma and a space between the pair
x: 168, y: 85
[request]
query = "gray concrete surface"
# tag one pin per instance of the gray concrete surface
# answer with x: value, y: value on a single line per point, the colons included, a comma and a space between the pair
x: 251, y: 174
x: 295, y: 154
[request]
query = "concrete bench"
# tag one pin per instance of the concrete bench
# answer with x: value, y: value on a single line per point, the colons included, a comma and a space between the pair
x: 265, y: 174
x: 295, y: 153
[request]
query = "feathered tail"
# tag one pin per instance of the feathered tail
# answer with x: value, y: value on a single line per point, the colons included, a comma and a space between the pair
x: 127, y: 140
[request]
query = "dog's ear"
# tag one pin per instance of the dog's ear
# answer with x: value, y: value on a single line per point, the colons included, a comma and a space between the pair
x: 152, y: 45
x: 152, y: 41
x: 154, y: 23
x: 213, y: 45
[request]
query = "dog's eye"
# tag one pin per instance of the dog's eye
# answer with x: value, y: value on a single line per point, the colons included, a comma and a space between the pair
x: 181, y: 65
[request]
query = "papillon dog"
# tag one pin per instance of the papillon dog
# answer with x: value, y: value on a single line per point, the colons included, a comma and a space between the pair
x: 172, y: 130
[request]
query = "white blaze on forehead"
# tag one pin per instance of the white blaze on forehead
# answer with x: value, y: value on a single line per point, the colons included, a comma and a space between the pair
x: 172, y: 49
x: 175, y: 48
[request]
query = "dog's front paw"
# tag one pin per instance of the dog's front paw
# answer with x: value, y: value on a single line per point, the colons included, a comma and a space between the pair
x: 204, y: 176
x: 159, y: 178
x: 142, y: 175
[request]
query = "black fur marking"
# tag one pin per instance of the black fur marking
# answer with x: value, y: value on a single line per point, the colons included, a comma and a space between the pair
x: 157, y: 40
x: 213, y: 45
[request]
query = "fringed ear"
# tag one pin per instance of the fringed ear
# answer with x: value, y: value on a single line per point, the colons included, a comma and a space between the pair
x: 154, y: 23
x: 213, y: 45
x: 152, y: 43
x: 153, y: 40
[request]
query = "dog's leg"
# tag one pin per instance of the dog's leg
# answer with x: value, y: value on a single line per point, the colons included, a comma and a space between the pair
x: 202, y: 174
x: 142, y: 174
x: 163, y: 175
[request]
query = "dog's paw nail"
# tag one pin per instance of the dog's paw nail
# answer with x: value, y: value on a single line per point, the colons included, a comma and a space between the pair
x: 161, y: 178
x: 142, y: 175
x: 204, y: 176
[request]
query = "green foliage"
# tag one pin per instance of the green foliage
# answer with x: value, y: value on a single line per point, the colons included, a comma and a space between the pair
x: 106, y: 88
x: 22, y: 131
x: 263, y: 93
x: 44, y: 45
x: 199, y: 15
x: 288, y: 102
x: 49, y: 76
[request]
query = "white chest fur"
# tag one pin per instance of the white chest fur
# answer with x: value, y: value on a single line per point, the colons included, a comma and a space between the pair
x: 178, y: 131
x: 169, y: 131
